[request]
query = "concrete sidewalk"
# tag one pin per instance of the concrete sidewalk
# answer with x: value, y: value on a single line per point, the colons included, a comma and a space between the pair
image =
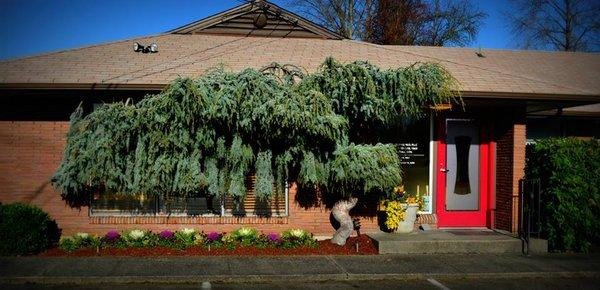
x: 95, y: 270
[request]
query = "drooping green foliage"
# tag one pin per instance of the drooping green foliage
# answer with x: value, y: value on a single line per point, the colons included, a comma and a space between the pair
x: 568, y: 170
x: 351, y: 162
x: 207, y: 134
x: 369, y: 96
x: 264, y: 175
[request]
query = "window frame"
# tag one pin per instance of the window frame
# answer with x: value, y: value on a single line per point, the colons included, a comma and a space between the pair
x: 158, y: 204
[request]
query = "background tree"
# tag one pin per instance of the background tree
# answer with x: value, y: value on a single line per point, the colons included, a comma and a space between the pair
x: 400, y: 22
x: 397, y: 22
x: 346, y: 17
x: 452, y: 22
x: 416, y: 22
x: 565, y: 25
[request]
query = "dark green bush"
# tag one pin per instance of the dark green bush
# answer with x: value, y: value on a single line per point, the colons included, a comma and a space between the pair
x: 569, y: 172
x: 26, y: 229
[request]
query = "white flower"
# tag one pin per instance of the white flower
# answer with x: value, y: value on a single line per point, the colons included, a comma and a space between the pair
x: 82, y: 235
x: 297, y: 233
x: 245, y: 231
x: 187, y: 231
x: 136, y: 234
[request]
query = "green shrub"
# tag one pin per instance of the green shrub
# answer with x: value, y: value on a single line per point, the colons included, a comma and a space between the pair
x: 244, y: 236
x: 187, y: 237
x: 85, y: 240
x: 67, y: 244
x: 297, y: 238
x: 215, y: 239
x: 569, y: 172
x: 26, y: 229
x: 139, y: 238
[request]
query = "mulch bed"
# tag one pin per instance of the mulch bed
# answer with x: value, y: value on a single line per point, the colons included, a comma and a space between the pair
x: 366, y: 247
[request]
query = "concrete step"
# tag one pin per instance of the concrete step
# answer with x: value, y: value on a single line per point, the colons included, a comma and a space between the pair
x: 446, y: 242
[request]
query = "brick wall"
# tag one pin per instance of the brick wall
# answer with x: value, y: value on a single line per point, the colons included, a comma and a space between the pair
x: 30, y: 152
x: 510, y: 167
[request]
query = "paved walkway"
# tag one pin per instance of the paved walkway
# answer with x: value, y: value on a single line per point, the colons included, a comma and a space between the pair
x: 456, y: 241
x: 46, y: 270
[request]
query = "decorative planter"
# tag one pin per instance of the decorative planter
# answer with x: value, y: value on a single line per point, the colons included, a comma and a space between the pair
x: 410, y: 216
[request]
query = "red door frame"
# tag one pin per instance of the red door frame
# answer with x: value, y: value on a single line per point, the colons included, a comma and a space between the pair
x: 484, y: 216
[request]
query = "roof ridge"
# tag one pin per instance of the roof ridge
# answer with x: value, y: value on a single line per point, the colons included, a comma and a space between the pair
x: 474, y: 66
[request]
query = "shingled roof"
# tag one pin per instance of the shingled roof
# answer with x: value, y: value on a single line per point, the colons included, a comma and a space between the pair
x: 497, y: 73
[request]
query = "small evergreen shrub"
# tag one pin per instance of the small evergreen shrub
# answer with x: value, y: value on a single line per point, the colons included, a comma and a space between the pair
x: 26, y: 229
x: 569, y: 173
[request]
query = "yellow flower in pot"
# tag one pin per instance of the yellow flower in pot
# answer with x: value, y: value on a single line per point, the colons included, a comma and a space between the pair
x: 394, y: 214
x: 401, y: 210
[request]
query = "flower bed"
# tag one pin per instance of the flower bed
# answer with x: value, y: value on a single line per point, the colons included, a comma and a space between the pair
x: 189, y: 242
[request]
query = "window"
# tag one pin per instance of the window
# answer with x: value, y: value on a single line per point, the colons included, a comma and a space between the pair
x: 251, y: 206
x: 114, y: 204
x: 117, y: 204
x: 413, y: 144
x: 413, y: 147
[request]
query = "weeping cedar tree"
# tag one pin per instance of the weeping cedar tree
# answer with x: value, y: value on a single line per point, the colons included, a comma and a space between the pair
x: 207, y: 134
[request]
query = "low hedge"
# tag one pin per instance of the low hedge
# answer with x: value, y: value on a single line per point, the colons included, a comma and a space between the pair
x: 569, y: 173
x: 184, y: 238
x: 26, y: 229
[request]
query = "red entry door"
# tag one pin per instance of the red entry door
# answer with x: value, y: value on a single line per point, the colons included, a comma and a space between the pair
x: 463, y: 171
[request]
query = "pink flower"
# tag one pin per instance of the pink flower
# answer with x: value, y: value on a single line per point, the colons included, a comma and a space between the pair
x: 166, y: 234
x: 112, y: 235
x: 213, y: 236
x: 273, y: 237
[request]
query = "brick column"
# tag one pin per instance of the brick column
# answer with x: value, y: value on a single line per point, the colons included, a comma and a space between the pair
x: 510, y: 167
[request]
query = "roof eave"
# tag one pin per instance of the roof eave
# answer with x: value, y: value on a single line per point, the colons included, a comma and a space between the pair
x: 79, y: 86
x: 530, y: 96
x: 158, y: 87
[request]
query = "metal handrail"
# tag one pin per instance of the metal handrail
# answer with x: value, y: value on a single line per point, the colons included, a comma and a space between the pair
x: 529, y: 211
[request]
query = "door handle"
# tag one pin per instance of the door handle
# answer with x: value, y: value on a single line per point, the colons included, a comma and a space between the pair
x: 444, y: 170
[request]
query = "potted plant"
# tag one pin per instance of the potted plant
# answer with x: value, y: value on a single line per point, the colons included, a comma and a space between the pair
x: 401, y: 210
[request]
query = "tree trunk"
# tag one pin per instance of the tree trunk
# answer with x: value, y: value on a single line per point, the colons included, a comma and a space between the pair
x: 341, y: 213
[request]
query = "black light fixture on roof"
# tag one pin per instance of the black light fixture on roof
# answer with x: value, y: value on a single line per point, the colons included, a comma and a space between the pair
x: 137, y: 47
x: 153, y: 48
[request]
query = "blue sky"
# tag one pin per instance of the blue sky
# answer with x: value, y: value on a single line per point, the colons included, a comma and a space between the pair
x: 29, y: 27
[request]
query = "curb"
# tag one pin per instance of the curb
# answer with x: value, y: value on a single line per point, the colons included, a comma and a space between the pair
x: 92, y: 280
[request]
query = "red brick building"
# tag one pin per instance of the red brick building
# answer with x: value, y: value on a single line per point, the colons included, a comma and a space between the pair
x: 465, y: 161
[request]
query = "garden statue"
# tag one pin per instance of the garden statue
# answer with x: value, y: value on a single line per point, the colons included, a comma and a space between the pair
x: 341, y: 213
